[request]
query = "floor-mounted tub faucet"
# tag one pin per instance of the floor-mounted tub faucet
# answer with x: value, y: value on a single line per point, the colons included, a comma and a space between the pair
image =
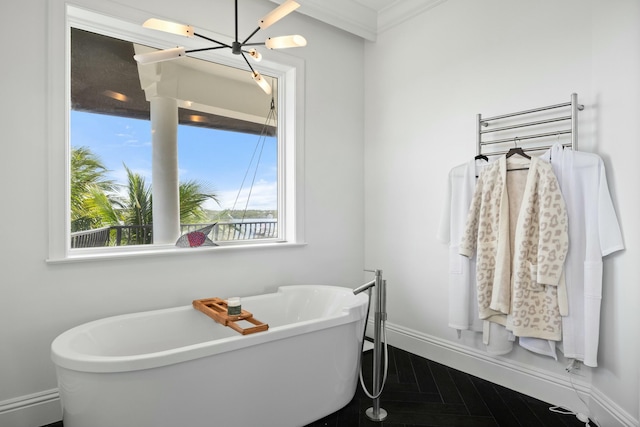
x: 376, y: 413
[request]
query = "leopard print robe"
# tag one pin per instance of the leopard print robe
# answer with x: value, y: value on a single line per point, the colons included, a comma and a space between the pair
x: 518, y: 225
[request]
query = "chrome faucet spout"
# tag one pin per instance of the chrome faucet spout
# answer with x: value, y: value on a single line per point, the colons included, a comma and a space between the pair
x: 364, y: 287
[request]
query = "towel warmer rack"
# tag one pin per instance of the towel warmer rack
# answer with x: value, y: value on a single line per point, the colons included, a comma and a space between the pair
x: 559, y: 115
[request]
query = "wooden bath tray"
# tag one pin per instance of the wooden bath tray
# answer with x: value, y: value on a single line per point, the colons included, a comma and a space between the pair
x: 216, y: 308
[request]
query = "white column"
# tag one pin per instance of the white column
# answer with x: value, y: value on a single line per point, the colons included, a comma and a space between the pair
x: 165, y: 180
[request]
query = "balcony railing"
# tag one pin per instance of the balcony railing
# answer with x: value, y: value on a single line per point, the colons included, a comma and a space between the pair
x: 123, y: 235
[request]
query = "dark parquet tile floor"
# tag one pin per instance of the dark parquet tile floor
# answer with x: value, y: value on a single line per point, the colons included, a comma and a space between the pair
x: 422, y: 393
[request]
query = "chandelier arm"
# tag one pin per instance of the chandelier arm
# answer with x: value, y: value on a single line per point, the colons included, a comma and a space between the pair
x: 205, y: 49
x: 253, y: 44
x: 251, y: 35
x: 212, y: 40
x: 248, y: 63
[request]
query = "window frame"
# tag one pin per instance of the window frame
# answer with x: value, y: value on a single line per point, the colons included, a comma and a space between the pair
x: 116, y: 20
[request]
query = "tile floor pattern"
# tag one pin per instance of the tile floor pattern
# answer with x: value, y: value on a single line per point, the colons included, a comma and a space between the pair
x: 423, y: 393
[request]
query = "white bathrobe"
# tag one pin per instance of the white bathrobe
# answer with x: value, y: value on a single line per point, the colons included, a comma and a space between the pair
x: 518, y: 223
x: 463, y: 309
x: 594, y: 233
x: 463, y: 306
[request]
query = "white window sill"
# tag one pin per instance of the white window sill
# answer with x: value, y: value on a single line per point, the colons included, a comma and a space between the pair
x: 81, y: 255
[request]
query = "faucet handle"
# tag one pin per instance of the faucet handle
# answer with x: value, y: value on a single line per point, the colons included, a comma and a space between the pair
x: 376, y: 271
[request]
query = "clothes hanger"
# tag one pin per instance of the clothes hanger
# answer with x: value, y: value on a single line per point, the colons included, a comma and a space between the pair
x: 481, y: 157
x: 562, y: 146
x: 519, y: 151
x: 557, y: 142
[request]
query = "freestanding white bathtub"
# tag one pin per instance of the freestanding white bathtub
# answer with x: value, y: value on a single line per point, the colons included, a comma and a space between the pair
x: 177, y: 367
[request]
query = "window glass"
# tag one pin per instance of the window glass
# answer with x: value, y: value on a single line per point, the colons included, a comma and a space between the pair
x: 228, y: 153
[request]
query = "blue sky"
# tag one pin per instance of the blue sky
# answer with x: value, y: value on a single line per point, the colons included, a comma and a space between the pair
x: 217, y: 159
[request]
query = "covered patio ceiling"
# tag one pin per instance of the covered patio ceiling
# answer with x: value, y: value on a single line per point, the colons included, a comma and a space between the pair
x: 105, y: 80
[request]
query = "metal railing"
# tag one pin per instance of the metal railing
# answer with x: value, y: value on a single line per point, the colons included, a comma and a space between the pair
x: 124, y: 235
x: 91, y: 238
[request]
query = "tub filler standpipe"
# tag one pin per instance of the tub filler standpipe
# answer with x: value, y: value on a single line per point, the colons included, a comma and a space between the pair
x: 376, y: 413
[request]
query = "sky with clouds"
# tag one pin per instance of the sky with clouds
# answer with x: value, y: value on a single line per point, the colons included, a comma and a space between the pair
x: 219, y: 160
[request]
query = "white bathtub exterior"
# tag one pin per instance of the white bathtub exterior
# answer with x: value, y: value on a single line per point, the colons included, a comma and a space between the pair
x: 177, y: 367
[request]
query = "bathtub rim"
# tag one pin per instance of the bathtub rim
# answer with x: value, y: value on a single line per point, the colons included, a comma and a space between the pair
x: 64, y: 356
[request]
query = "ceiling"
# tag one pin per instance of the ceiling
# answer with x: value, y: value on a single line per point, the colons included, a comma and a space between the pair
x: 376, y: 4
x: 364, y: 18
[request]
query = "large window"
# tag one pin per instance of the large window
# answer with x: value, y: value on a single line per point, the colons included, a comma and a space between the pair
x: 156, y: 151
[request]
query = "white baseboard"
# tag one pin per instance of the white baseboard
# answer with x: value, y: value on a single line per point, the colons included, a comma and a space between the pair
x: 530, y: 380
x: 607, y: 412
x: 32, y: 410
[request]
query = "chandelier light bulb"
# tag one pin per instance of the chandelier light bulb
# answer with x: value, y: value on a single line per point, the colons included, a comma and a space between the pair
x: 169, y: 27
x: 284, y: 42
x: 261, y: 82
x: 278, y: 13
x: 257, y: 56
x: 159, y: 56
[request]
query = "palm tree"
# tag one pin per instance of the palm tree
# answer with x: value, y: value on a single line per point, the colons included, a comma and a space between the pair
x: 192, y: 197
x: 95, y: 202
x: 137, y: 208
x: 87, y: 181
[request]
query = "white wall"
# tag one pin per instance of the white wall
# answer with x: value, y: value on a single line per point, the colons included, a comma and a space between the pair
x: 38, y: 301
x: 426, y: 80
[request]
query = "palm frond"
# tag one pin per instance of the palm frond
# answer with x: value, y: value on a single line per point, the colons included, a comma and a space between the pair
x: 192, y: 197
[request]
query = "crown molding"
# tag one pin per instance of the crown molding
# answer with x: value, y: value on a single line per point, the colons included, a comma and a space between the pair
x: 348, y: 15
x: 356, y: 18
x: 401, y: 10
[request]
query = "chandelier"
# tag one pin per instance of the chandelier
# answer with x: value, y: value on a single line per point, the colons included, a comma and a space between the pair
x: 237, y: 47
